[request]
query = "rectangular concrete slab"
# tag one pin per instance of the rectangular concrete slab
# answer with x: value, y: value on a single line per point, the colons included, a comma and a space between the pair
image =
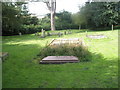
x: 59, y: 59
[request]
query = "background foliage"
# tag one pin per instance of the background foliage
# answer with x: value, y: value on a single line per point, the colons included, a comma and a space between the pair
x: 93, y: 15
x: 98, y: 15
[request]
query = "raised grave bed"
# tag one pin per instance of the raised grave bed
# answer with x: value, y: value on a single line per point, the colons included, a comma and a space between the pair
x: 70, y: 41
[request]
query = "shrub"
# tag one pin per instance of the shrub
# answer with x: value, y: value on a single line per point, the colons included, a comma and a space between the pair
x: 29, y: 29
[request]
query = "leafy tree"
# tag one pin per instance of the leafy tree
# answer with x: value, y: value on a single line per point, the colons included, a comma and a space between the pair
x: 45, y: 22
x: 15, y: 19
x: 98, y: 14
x: 64, y: 20
x: 79, y: 18
x: 34, y: 20
x: 11, y: 18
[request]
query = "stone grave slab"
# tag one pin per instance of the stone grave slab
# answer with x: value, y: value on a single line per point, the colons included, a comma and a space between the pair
x: 59, y: 59
x: 96, y: 36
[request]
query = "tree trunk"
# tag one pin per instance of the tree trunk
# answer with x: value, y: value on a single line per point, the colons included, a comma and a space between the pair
x: 52, y: 21
x: 51, y: 4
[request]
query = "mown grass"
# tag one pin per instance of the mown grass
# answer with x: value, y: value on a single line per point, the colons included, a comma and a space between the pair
x: 20, y: 70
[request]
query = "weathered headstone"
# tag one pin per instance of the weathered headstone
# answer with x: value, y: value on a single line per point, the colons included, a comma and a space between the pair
x: 20, y: 33
x: 43, y: 33
x: 59, y: 34
x: 65, y: 33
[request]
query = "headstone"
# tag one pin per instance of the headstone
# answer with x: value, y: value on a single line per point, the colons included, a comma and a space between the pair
x: 43, y: 33
x: 60, y: 34
x: 65, y: 33
x: 20, y: 33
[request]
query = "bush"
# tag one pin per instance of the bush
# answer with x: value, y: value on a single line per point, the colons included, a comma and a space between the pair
x: 117, y: 27
x: 66, y: 50
x: 46, y: 26
x: 29, y: 29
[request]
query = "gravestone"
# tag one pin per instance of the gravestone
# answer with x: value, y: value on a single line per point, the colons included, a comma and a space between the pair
x: 60, y: 34
x: 64, y: 32
x: 43, y: 33
x: 20, y: 33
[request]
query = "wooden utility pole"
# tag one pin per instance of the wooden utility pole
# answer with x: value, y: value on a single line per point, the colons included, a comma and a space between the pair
x: 51, y: 4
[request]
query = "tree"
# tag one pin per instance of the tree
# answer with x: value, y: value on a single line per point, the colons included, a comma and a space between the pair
x: 63, y: 20
x: 51, y: 4
x: 45, y: 22
x: 12, y: 17
x: 100, y: 14
x: 79, y: 19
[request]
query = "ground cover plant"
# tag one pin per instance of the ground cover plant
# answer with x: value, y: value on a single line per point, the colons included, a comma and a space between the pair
x: 22, y: 70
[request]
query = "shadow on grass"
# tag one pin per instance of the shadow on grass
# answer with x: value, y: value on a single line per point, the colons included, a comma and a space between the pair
x: 98, y: 72
x: 20, y: 70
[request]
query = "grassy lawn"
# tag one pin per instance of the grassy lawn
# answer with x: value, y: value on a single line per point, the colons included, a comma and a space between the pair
x: 21, y: 70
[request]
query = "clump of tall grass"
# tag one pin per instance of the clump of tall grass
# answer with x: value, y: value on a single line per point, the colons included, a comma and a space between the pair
x: 66, y: 50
